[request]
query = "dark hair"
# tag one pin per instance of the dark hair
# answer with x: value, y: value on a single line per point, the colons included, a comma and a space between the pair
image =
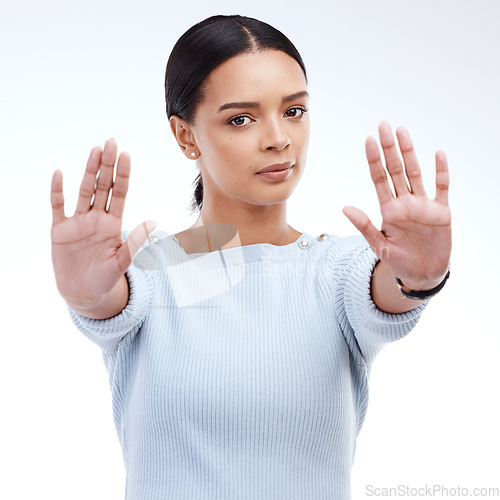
x: 200, y: 50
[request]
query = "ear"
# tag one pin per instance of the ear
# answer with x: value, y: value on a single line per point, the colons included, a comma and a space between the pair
x: 183, y: 135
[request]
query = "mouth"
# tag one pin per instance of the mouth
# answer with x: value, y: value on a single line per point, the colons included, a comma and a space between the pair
x: 277, y: 167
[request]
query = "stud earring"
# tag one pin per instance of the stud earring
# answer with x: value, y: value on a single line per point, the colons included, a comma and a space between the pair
x: 193, y: 154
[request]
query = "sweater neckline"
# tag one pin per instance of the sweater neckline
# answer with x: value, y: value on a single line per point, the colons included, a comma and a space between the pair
x: 246, y: 253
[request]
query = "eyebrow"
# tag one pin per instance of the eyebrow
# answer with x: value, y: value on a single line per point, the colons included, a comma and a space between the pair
x: 249, y: 104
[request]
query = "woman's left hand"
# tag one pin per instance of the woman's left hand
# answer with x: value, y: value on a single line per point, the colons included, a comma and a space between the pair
x: 415, y: 239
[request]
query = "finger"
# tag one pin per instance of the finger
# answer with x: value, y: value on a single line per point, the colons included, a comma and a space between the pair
x: 57, y: 198
x: 412, y: 168
x: 442, y: 178
x: 392, y: 161
x: 377, y: 171
x: 105, y: 180
x: 120, y: 186
x: 88, y: 183
x: 134, y: 241
x: 373, y: 236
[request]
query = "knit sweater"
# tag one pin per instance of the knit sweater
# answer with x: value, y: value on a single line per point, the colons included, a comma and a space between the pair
x: 243, y: 373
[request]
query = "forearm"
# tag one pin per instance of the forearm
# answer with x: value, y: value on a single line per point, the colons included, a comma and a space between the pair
x: 386, y: 293
x: 109, y: 305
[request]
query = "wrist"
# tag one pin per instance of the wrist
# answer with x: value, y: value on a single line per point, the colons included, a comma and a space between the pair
x: 385, y: 292
x: 108, y: 305
x: 423, y: 291
x: 427, y: 281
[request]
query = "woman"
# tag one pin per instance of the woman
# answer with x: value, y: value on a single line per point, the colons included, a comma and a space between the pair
x: 242, y: 372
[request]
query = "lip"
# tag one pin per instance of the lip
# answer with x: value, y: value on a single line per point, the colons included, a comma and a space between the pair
x: 277, y: 175
x: 276, y: 167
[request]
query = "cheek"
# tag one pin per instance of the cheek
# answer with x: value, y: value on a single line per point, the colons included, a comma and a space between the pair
x: 222, y: 143
x: 235, y: 150
x: 243, y: 140
x: 213, y: 149
x: 301, y: 138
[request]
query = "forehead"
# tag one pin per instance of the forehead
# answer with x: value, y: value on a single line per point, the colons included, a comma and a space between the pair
x: 255, y: 76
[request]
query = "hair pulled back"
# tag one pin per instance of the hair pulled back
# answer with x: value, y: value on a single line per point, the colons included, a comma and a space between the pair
x: 200, y: 50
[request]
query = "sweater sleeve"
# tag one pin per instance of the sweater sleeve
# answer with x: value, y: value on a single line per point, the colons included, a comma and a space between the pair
x: 366, y: 328
x: 108, y: 333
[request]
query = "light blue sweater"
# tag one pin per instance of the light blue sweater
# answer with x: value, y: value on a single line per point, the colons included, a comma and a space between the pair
x: 242, y: 374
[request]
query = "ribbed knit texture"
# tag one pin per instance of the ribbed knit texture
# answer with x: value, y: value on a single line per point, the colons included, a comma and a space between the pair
x: 243, y: 373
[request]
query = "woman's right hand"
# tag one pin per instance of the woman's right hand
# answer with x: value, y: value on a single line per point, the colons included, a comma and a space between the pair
x: 88, y: 253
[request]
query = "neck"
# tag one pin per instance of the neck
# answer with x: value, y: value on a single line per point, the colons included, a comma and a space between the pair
x: 230, y: 231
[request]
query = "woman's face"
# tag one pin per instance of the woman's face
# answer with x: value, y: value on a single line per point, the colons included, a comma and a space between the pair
x: 254, y: 114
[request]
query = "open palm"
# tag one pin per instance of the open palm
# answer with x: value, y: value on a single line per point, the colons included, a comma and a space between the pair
x: 415, y: 237
x: 88, y: 253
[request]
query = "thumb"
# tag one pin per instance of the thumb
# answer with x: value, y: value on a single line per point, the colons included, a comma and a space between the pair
x: 361, y: 221
x: 134, y: 241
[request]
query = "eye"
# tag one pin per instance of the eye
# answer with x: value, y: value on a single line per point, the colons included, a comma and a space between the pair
x: 239, y: 121
x: 296, y: 112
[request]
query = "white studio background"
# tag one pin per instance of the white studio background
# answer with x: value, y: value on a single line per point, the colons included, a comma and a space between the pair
x: 75, y: 73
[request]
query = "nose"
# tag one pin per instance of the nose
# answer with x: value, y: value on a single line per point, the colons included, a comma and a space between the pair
x: 275, y: 136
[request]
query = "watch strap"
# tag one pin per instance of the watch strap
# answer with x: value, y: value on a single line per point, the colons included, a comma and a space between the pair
x: 422, y: 294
